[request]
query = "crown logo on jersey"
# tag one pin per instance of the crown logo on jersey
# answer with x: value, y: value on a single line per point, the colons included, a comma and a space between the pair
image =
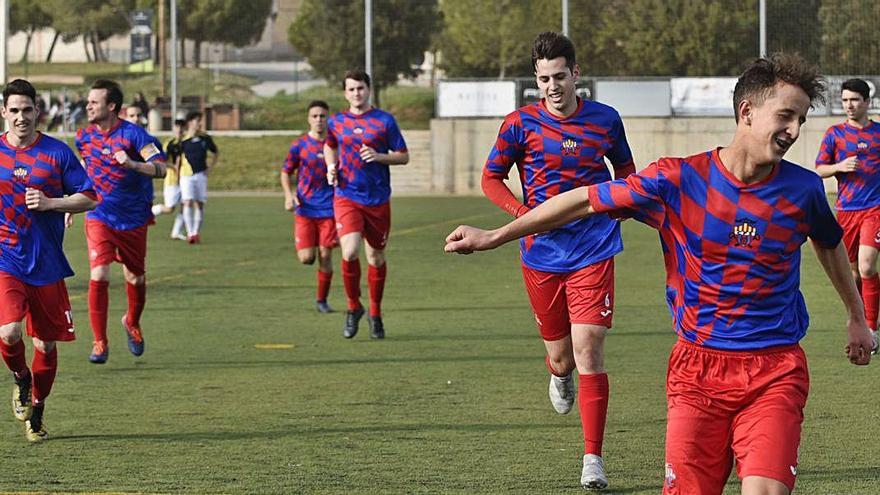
x: 744, y: 232
x: 358, y: 130
x: 105, y: 151
x: 862, y: 146
x: 20, y: 174
x: 569, y: 147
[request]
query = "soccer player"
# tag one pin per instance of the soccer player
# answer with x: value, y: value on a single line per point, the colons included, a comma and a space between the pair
x: 135, y: 115
x: 850, y: 151
x: 121, y: 159
x: 312, y: 201
x: 171, y: 189
x: 732, y: 221
x: 559, y: 144
x: 41, y: 180
x: 365, y: 141
x: 199, y: 157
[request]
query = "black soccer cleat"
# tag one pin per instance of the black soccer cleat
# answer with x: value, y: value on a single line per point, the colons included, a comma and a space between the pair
x: 352, y: 318
x: 377, y: 328
x: 21, y: 397
x: 323, y: 307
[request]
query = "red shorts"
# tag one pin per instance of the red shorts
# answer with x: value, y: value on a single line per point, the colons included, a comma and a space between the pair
x: 860, y: 228
x: 310, y: 232
x: 585, y: 296
x: 374, y: 222
x: 722, y: 406
x: 46, y: 306
x: 107, y: 245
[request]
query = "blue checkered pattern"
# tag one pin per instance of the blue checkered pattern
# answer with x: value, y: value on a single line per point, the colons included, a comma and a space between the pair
x: 857, y: 190
x: 315, y: 194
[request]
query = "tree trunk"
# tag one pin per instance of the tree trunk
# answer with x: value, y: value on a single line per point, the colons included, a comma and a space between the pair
x: 197, y: 54
x: 182, y: 52
x: 52, y: 47
x: 96, y: 51
x: 27, y: 46
x: 86, y: 47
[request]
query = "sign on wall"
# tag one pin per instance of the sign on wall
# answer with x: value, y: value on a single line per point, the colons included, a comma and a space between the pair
x: 475, y: 98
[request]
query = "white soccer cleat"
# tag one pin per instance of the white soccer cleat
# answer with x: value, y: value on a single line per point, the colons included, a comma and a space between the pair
x: 593, y: 475
x: 874, y: 343
x: 562, y: 393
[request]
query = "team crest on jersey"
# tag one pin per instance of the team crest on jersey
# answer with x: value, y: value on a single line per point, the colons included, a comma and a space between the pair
x: 570, y: 147
x: 744, y: 232
x: 20, y: 174
x: 358, y: 130
x: 862, y: 146
x: 106, y: 151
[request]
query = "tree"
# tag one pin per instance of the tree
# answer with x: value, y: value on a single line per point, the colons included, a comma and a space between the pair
x: 28, y: 17
x: 493, y: 39
x: 849, y: 39
x: 330, y: 35
x: 94, y: 20
x: 223, y: 21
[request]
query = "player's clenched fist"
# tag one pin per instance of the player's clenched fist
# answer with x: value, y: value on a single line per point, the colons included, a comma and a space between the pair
x: 122, y: 158
x: 36, y: 200
x: 466, y: 239
x: 331, y: 175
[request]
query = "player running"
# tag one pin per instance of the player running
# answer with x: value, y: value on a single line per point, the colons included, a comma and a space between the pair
x: 559, y: 144
x: 365, y: 141
x: 850, y: 151
x: 199, y: 156
x: 312, y: 201
x: 732, y: 221
x: 41, y: 180
x: 121, y: 159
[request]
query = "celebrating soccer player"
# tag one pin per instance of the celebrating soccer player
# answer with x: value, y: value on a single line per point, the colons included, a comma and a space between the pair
x: 559, y: 144
x: 315, y: 228
x: 851, y: 152
x: 198, y: 157
x: 41, y: 181
x: 732, y: 221
x: 361, y: 143
x: 121, y: 160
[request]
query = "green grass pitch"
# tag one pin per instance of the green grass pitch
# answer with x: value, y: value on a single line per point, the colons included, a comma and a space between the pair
x: 453, y: 401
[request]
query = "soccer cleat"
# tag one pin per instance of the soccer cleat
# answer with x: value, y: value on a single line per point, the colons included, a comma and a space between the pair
x: 194, y: 239
x: 323, y: 307
x: 135, y: 339
x: 561, y: 393
x: 33, y: 427
x: 352, y: 318
x: 874, y: 343
x: 179, y: 237
x: 99, y: 352
x: 21, y: 397
x: 377, y: 328
x: 593, y: 475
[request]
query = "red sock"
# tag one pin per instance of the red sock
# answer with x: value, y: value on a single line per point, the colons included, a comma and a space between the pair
x: 99, y: 299
x: 351, y: 278
x: 13, y: 355
x: 376, y: 279
x: 593, y: 406
x: 324, y: 279
x: 137, y: 299
x: 44, y: 367
x: 871, y: 299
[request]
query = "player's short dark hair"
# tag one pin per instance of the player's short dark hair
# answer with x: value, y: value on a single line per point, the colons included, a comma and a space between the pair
x: 19, y: 87
x: 759, y: 80
x: 193, y: 116
x: 180, y: 122
x: 549, y: 45
x: 114, y: 91
x: 357, y: 75
x: 318, y: 103
x: 859, y: 86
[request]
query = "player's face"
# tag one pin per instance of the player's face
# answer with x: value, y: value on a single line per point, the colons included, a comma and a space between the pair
x: 133, y: 115
x: 357, y: 93
x: 96, y: 106
x: 854, y: 105
x: 193, y: 125
x: 21, y: 115
x: 317, y: 120
x: 557, y: 84
x: 775, y: 125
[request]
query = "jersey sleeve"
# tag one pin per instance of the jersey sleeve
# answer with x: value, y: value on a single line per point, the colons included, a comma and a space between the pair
x: 78, y: 141
x: 331, y: 140
x: 826, y: 154
x: 73, y: 176
x: 620, y: 154
x: 508, y: 149
x: 291, y: 163
x: 638, y: 196
x: 211, y: 145
x: 824, y: 228
x: 147, y: 147
x: 394, y: 137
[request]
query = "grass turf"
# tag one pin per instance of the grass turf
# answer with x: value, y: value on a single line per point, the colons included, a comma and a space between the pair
x: 453, y: 401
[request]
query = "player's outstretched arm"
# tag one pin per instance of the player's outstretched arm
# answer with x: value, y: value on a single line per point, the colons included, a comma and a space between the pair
x: 836, y: 265
x: 553, y: 213
x: 75, y: 203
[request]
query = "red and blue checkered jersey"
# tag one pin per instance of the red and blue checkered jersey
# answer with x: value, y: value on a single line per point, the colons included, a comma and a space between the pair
x: 315, y: 195
x: 732, y: 250
x: 30, y: 241
x: 364, y: 183
x: 125, y: 196
x: 857, y: 190
x: 554, y: 155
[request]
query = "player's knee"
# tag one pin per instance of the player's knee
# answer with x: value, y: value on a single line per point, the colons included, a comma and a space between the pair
x: 376, y: 258
x: 100, y: 273
x: 306, y: 258
x: 42, y: 346
x: 10, y: 333
x: 867, y: 268
x: 562, y: 364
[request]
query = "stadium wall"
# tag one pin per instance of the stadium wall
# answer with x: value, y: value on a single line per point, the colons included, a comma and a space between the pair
x: 458, y: 149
